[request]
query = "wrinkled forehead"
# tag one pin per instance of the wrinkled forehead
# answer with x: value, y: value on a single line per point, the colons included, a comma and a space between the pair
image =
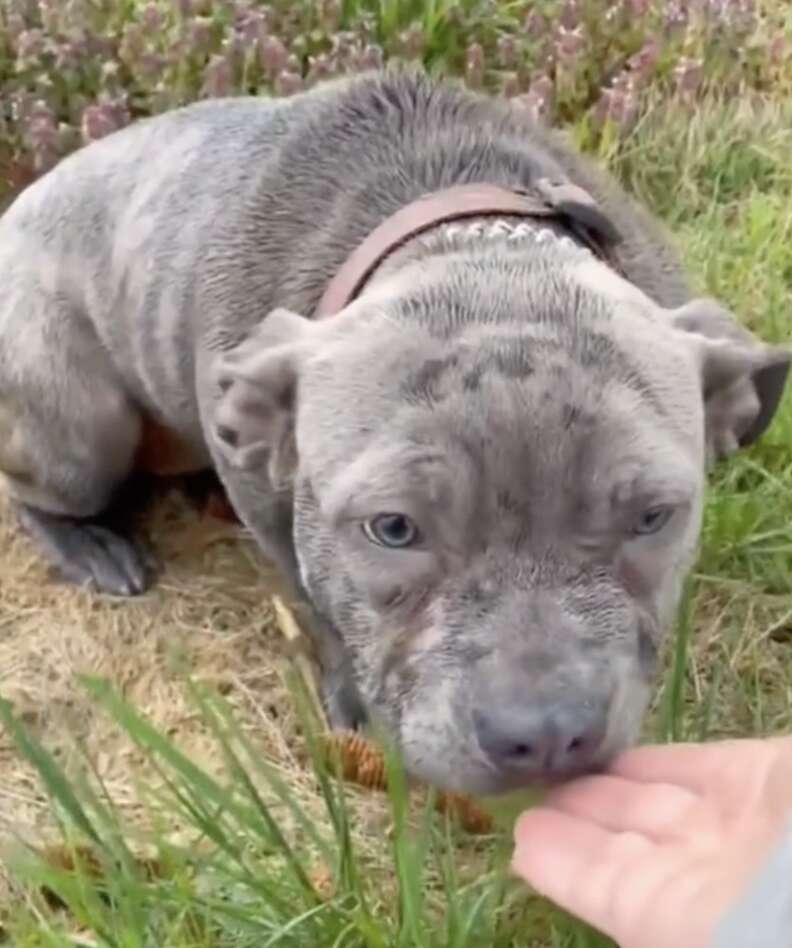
x: 545, y: 372
x: 616, y: 379
x: 519, y: 443
x: 555, y: 430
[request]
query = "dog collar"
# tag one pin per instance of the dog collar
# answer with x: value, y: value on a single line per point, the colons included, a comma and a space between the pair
x: 573, y: 207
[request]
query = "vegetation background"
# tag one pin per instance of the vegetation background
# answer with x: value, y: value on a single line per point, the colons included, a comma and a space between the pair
x: 184, y: 765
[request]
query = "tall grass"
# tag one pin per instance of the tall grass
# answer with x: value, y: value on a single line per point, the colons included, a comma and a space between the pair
x: 251, y: 867
x: 241, y: 878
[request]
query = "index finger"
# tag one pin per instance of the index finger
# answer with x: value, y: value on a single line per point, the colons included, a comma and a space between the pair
x: 689, y: 765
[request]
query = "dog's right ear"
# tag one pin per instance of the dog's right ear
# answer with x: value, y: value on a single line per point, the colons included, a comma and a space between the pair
x: 743, y: 378
x: 256, y: 388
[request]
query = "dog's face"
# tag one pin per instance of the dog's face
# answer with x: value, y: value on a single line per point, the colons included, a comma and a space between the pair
x: 499, y: 474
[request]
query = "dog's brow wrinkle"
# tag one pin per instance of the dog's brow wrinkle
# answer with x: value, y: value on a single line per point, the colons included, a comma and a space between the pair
x: 506, y: 501
x: 424, y: 382
x: 512, y: 362
x: 571, y: 414
x: 471, y: 380
x: 597, y: 352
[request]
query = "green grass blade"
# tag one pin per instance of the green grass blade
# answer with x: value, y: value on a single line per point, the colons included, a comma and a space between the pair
x: 54, y: 779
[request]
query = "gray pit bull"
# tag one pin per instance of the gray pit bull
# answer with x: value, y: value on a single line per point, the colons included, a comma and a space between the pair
x: 451, y: 378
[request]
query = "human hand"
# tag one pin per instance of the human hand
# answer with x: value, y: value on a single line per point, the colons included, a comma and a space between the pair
x: 656, y: 850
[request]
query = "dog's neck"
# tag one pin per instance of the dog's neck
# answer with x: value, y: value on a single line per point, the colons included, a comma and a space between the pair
x: 479, y: 238
x: 467, y: 217
x: 484, y: 234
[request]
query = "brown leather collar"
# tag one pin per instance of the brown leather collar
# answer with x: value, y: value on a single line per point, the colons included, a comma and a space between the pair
x: 560, y: 200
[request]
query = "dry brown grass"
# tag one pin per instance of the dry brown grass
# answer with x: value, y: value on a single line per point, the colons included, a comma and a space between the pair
x: 209, y: 613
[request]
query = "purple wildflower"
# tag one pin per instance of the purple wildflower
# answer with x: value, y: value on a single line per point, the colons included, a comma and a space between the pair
x: 288, y: 83
x: 199, y: 34
x: 133, y: 43
x: 345, y: 48
x: 151, y: 19
x: 366, y: 26
x: 688, y: 74
x: 232, y: 48
x: 736, y: 15
x: 217, y: 77
x: 643, y: 62
x: 569, y: 43
x: 319, y: 67
x: 15, y: 25
x: 570, y: 15
x: 535, y: 25
x: 329, y: 13
x: 675, y: 14
x: 68, y: 55
x: 50, y: 13
x: 30, y: 44
x: 777, y: 48
x: 252, y: 28
x: 410, y: 43
x: 150, y: 64
x: 42, y: 136
x: 110, y: 71
x: 474, y: 65
x: 510, y: 85
x: 618, y: 103
x: 507, y: 51
x: 97, y: 121
x: 537, y: 100
x: 272, y: 55
x: 371, y: 57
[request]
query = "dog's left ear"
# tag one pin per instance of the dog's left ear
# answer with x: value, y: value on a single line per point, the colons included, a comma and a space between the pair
x: 742, y: 377
x: 255, y: 387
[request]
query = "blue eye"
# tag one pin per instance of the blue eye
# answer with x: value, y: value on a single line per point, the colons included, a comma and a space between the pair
x: 652, y: 520
x: 392, y: 530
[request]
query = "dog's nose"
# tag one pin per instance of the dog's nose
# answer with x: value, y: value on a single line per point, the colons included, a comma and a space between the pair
x: 541, y: 741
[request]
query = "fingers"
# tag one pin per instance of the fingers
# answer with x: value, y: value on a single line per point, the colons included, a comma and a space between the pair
x: 692, y: 766
x: 621, y: 805
x: 576, y: 864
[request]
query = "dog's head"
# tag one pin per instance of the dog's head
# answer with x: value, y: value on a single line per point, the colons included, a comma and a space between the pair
x: 498, y: 459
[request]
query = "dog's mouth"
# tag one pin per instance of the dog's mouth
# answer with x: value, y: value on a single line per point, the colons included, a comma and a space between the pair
x: 545, y: 778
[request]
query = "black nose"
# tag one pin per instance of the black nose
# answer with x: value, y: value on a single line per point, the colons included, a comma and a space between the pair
x: 540, y: 740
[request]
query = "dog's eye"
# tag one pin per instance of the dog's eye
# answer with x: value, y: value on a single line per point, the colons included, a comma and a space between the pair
x: 653, y: 520
x: 392, y: 530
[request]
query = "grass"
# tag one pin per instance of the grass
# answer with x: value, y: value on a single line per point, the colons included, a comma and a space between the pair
x: 236, y: 857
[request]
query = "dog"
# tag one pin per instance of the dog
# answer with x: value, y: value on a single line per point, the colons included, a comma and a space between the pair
x: 451, y: 378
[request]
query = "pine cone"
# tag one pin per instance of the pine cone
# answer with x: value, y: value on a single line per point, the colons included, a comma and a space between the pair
x: 84, y: 860
x: 360, y: 761
x: 467, y: 813
x: 363, y: 764
x: 322, y: 880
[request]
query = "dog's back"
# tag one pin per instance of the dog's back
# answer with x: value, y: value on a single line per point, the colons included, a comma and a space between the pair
x: 206, y: 217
